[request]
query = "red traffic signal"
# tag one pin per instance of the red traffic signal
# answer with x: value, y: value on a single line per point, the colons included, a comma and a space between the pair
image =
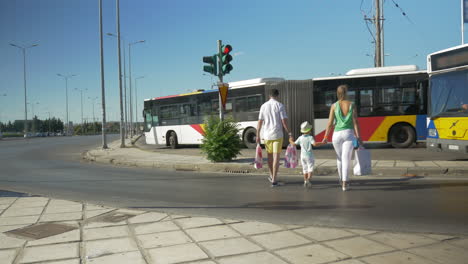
x: 227, y: 49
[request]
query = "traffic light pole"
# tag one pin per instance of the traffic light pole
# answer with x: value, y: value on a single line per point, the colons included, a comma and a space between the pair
x: 220, y: 75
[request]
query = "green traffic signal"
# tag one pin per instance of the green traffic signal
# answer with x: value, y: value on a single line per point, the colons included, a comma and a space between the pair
x: 226, y: 58
x: 212, y: 64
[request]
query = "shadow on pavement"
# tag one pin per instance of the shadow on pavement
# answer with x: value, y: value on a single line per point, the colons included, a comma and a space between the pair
x: 4, y: 193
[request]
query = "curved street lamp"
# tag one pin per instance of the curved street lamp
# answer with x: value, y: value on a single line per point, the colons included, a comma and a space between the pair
x: 66, y: 77
x: 130, y: 76
x: 24, y: 79
x: 136, y: 101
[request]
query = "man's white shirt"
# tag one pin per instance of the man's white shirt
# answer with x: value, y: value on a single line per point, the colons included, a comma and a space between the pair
x: 272, y: 112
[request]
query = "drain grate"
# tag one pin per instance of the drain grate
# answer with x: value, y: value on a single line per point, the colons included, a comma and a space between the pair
x: 39, y: 231
x: 112, y: 217
x: 237, y: 171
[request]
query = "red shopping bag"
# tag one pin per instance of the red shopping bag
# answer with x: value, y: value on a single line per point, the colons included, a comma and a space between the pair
x: 258, y: 162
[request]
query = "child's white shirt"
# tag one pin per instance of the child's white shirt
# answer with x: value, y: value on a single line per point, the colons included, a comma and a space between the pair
x: 306, y: 141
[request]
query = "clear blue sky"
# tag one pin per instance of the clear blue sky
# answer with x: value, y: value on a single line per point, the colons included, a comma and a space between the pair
x: 291, y: 39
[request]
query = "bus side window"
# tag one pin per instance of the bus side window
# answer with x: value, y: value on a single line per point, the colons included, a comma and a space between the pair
x: 367, y: 102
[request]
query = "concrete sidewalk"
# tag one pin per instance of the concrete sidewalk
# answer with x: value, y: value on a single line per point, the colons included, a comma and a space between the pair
x: 45, y: 230
x: 133, y: 156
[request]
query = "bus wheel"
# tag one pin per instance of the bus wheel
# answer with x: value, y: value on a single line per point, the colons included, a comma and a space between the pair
x: 402, y: 136
x: 250, y: 137
x: 173, y: 140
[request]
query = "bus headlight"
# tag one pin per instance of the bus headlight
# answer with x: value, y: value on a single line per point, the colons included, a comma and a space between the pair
x: 432, y: 132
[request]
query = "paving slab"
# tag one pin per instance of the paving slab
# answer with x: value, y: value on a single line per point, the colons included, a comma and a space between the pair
x: 98, y: 248
x: 91, y: 207
x: 397, y: 257
x: 460, y: 243
x: 350, y: 261
x: 311, y: 254
x: 106, y: 232
x: 323, y: 233
x: 401, y: 241
x: 362, y: 232
x: 96, y: 224
x: 232, y: 246
x: 163, y: 239
x: 54, y: 209
x: 155, y: 227
x: 442, y: 253
x: 253, y: 228
x: 7, y: 256
x: 358, y: 246
x: 176, y: 254
x: 10, y: 242
x: 18, y: 220
x: 50, y: 252
x: 211, y: 233
x: 67, y: 261
x: 257, y: 258
x: 193, y: 222
x: 71, y: 236
x: 133, y: 257
x: 7, y: 200
x: 10, y: 227
x: 279, y: 240
x: 147, y: 217
x: 440, y: 237
x: 25, y: 202
x: 93, y: 213
x: 61, y: 217
x: 28, y: 211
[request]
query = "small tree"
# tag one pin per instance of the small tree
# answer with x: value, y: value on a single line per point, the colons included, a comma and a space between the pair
x: 221, y: 141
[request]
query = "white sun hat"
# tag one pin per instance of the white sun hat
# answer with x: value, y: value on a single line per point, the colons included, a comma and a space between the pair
x: 305, y: 127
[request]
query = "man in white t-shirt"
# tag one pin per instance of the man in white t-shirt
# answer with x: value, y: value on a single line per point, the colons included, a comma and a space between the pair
x: 272, y: 118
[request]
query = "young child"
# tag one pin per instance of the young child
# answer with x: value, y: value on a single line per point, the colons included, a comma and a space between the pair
x: 306, y: 141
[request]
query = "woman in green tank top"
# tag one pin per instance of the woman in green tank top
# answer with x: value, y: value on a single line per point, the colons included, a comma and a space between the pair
x: 346, y: 128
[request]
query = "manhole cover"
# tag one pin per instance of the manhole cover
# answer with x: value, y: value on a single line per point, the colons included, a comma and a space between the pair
x: 113, y: 217
x: 41, y: 230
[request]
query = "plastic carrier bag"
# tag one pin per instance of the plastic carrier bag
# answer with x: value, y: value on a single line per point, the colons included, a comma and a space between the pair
x: 290, y: 158
x: 258, y: 162
x: 362, y: 162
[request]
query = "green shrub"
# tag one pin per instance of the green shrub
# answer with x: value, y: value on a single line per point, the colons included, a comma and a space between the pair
x: 221, y: 141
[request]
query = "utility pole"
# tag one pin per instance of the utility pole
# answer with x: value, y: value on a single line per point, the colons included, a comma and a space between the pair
x: 378, y: 40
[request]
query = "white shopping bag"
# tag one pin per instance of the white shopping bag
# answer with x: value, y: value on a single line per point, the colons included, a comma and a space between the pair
x: 290, y: 158
x: 362, y: 162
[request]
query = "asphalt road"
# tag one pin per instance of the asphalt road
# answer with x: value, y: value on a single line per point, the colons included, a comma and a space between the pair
x: 52, y: 167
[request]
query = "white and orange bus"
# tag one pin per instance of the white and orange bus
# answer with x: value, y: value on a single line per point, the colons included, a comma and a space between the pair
x: 391, y: 103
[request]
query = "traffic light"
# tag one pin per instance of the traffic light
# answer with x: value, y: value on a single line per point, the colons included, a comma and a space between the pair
x: 212, y: 66
x: 226, y: 58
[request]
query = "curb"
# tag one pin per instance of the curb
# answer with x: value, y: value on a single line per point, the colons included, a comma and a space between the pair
x: 248, y: 169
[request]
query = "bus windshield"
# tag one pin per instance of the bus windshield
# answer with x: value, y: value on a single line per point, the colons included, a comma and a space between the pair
x: 449, y: 94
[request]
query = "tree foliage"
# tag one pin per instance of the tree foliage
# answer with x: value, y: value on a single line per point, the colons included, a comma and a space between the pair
x: 221, y: 141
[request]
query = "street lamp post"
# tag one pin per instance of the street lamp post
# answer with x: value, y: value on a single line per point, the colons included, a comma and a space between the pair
x: 124, y: 82
x: 94, y: 118
x: 81, y: 96
x: 0, y: 120
x: 103, y: 90
x: 33, y: 129
x: 24, y: 79
x: 130, y: 77
x: 66, y: 77
x: 136, y: 101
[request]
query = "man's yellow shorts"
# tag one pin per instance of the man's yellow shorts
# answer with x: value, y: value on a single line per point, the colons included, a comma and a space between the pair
x: 274, y: 146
